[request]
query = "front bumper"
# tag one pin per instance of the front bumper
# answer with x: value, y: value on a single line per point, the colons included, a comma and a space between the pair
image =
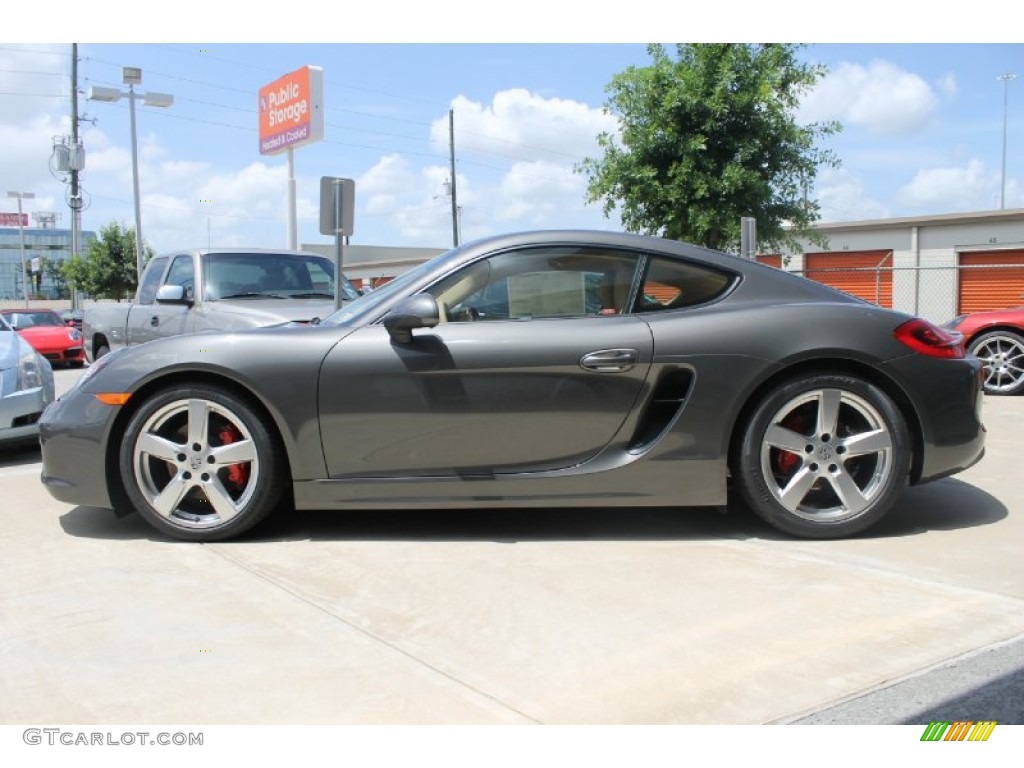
x: 19, y: 414
x: 71, y: 354
x: 20, y: 410
x: 73, y: 435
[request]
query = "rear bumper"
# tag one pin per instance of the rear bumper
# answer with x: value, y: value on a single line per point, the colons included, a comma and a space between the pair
x: 946, y: 396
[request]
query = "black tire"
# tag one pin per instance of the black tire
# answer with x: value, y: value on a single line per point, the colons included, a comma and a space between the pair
x: 198, y: 464
x: 101, y: 350
x: 1002, y: 353
x: 797, y: 468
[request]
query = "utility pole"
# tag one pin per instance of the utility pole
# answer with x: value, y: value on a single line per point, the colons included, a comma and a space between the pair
x: 1005, y: 78
x: 451, y: 153
x: 75, y: 202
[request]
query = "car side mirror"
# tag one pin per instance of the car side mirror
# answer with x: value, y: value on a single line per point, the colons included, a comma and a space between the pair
x: 419, y: 311
x: 173, y: 294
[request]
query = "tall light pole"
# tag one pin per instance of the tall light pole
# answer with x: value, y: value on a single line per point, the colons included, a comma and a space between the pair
x: 1006, y: 78
x: 21, y: 231
x: 132, y: 76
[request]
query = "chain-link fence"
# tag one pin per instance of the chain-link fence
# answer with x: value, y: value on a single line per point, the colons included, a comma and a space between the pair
x: 936, y: 292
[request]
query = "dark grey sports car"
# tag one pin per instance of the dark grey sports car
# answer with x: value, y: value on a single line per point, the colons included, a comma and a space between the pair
x: 550, y: 368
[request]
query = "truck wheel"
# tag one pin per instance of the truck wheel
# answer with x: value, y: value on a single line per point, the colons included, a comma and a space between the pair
x: 101, y: 350
x: 199, y: 464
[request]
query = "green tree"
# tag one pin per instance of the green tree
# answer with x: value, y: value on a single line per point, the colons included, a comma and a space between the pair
x: 52, y: 269
x: 107, y: 270
x: 708, y: 137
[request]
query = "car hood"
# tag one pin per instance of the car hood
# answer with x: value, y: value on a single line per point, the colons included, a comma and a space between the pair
x: 274, y: 311
x: 45, y: 333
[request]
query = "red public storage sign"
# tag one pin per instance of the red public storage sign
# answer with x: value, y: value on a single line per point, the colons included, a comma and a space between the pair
x: 291, y: 111
x: 11, y: 220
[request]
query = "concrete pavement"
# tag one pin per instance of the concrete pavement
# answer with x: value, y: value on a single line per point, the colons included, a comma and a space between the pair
x: 538, y: 616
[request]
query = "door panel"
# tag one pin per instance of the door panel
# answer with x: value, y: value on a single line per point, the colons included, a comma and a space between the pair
x: 479, y: 398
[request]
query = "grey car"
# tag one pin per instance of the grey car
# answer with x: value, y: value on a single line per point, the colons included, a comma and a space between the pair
x: 559, y: 368
x: 26, y: 388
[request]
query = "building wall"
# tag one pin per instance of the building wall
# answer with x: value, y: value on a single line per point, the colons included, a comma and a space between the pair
x: 926, y: 252
x: 49, y: 244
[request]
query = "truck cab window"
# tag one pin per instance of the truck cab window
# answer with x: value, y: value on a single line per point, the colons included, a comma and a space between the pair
x: 151, y: 280
x: 183, y: 273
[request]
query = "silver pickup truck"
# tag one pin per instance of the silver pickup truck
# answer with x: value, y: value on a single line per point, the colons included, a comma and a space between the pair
x: 216, y: 289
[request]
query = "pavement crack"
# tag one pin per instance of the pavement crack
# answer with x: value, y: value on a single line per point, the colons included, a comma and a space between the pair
x: 366, y: 632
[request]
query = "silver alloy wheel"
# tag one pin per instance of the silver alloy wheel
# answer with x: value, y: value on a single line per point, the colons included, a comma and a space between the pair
x: 827, y: 455
x: 183, y: 459
x: 1003, y: 357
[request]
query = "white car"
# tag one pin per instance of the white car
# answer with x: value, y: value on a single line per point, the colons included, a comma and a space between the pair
x: 26, y: 387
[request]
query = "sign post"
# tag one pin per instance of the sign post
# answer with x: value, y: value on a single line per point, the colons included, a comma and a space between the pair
x: 337, y: 213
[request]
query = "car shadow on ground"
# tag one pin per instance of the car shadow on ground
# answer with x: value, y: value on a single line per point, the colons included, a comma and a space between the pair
x: 19, y: 453
x: 945, y: 505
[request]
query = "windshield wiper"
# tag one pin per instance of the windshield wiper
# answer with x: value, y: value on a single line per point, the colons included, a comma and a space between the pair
x: 312, y: 295
x: 252, y: 295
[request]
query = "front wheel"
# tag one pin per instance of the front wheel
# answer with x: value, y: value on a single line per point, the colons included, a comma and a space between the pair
x: 199, y: 464
x: 1002, y: 354
x: 824, y: 456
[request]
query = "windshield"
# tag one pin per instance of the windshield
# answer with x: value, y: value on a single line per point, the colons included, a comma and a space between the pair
x: 272, y: 276
x: 379, y: 297
x: 20, y: 320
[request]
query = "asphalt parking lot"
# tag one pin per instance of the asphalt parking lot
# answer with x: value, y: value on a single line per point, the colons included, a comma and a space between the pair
x: 494, y: 617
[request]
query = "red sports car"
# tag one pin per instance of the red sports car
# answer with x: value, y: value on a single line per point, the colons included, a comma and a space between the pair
x: 997, y: 339
x: 48, y: 334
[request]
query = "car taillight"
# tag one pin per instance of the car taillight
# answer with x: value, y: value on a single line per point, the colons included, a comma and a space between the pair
x: 927, y: 339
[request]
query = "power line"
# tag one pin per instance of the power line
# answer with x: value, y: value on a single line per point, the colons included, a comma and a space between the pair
x: 488, y: 137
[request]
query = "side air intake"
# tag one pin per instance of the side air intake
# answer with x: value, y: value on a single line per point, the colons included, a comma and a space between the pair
x: 670, y: 394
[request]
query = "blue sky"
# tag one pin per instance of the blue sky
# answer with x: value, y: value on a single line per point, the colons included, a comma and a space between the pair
x: 922, y: 123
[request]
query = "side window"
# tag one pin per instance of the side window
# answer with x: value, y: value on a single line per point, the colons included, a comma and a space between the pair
x: 539, y: 283
x: 672, y: 284
x: 183, y: 273
x: 151, y: 280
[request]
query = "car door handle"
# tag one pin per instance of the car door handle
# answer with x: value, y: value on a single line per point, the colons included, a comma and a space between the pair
x: 609, y: 360
x: 154, y: 321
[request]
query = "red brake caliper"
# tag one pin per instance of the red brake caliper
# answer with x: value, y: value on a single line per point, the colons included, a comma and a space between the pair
x: 786, y: 462
x: 238, y: 474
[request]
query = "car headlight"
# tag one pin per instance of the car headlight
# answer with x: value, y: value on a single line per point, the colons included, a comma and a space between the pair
x: 30, y: 369
x: 74, y: 334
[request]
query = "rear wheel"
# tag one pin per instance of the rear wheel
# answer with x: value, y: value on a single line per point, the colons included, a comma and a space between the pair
x: 824, y: 456
x: 199, y: 464
x: 1002, y: 353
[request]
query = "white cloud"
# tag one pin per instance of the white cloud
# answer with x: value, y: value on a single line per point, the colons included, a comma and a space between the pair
x: 881, y: 98
x: 530, y: 194
x: 522, y: 125
x: 967, y: 187
x: 948, y: 86
x: 538, y: 193
x: 843, y: 197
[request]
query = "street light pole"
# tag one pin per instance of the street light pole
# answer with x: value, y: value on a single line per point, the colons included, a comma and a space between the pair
x: 135, y: 183
x: 21, y: 231
x: 132, y: 76
x: 1006, y: 78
